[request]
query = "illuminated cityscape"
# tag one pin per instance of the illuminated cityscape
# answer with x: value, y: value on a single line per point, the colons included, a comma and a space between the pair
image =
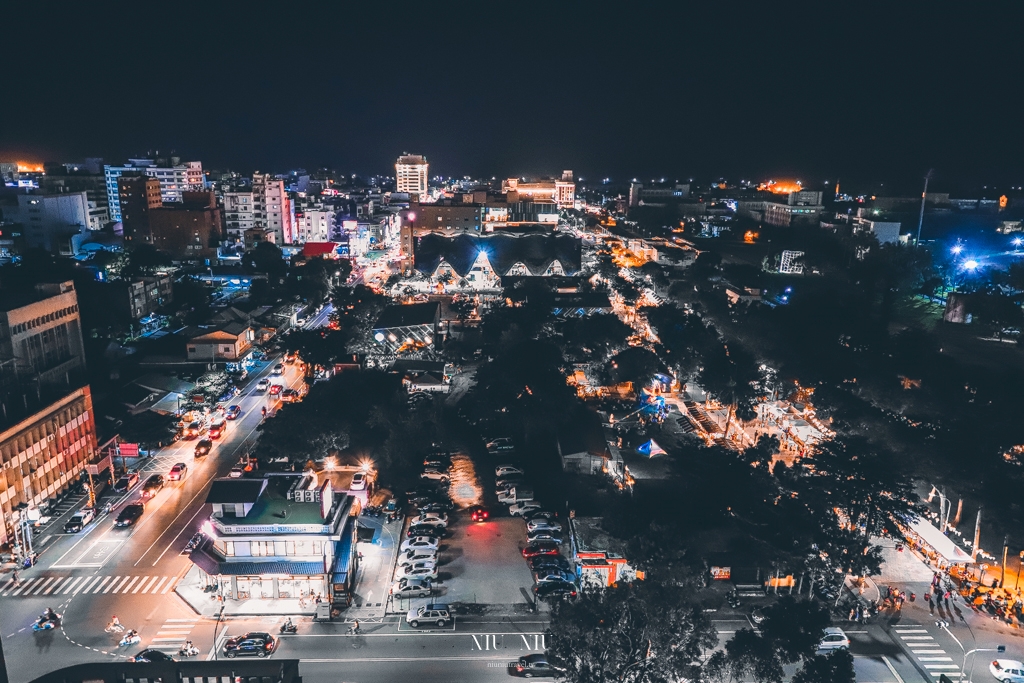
x: 590, y: 344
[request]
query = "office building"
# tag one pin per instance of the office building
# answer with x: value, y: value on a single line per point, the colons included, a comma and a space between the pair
x: 137, y: 196
x: 92, y: 184
x: 189, y: 230
x: 58, y: 223
x: 561, y: 192
x: 40, y: 335
x: 411, y: 175
x: 238, y: 214
x: 175, y: 179
x: 314, y: 225
x: 272, y: 207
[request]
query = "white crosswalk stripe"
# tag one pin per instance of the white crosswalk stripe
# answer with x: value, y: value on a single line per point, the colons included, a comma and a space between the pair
x: 931, y: 656
x: 173, y: 634
x: 103, y: 584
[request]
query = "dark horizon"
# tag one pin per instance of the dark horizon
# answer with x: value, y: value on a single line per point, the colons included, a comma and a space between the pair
x: 622, y: 92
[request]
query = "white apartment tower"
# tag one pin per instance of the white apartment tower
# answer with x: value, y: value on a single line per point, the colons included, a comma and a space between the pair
x: 272, y: 207
x: 238, y: 213
x: 411, y: 175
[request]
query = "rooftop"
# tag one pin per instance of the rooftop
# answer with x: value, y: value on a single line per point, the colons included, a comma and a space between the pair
x: 272, y: 505
x: 408, y: 314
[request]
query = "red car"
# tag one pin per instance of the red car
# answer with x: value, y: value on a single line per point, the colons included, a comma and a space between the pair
x: 177, y: 472
x: 275, y: 389
x: 540, y: 548
x: 478, y: 513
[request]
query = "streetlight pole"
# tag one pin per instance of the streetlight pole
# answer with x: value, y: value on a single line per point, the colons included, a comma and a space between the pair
x: 215, y: 627
x: 944, y: 625
x: 924, y: 195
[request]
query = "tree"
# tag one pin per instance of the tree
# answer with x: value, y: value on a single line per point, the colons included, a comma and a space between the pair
x: 265, y: 257
x: 835, y: 667
x: 748, y: 652
x: 794, y: 627
x: 636, y: 365
x: 192, y: 298
x: 635, y: 632
x: 655, y: 273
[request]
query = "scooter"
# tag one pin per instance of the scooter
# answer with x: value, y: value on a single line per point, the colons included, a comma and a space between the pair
x: 130, y: 638
x: 192, y: 651
x: 289, y: 627
x: 46, y: 622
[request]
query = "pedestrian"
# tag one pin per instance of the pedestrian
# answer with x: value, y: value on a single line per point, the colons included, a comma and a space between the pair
x: 947, y: 596
x: 17, y: 579
x: 853, y: 613
x: 931, y: 604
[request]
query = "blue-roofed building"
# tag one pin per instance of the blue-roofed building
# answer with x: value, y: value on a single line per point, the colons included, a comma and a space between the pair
x: 280, y: 536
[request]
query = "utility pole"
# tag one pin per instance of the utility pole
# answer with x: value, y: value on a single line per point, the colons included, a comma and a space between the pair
x: 1002, y: 570
x: 924, y: 195
x: 977, y: 537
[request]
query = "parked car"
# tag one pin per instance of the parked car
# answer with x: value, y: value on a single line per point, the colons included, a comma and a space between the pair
x: 543, y: 562
x: 1009, y: 670
x: 550, y: 574
x: 251, y: 644
x: 275, y: 389
x: 500, y: 445
x: 531, y: 666
x: 505, y: 485
x: 425, y: 530
x: 203, y: 448
x: 237, y: 471
x: 436, y: 614
x: 177, y: 472
x: 430, y: 519
x: 263, y: 385
x: 233, y: 412
x: 417, y: 542
x: 520, y: 509
x: 833, y: 638
x: 435, y: 506
x: 516, y: 494
x: 540, y: 548
x: 153, y: 484
x: 542, y: 524
x: 507, y: 470
x: 128, y: 480
x: 437, y: 461
x: 478, y: 513
x: 411, y: 588
x: 278, y: 369
x: 424, y: 569
x: 539, y: 514
x: 79, y: 520
x: 358, y: 482
x: 554, y: 590
x: 550, y: 536
x: 435, y: 475
x: 414, y: 555
x: 130, y: 515
x: 151, y: 655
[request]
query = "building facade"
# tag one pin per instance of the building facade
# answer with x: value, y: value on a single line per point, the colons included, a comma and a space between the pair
x: 238, y: 214
x: 190, y: 230
x: 40, y: 335
x: 272, y: 208
x: 175, y: 178
x: 314, y: 225
x: 58, y: 223
x: 411, y: 175
x: 231, y: 343
x: 137, y: 196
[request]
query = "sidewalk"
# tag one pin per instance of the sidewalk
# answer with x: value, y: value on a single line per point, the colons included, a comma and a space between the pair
x: 376, y: 566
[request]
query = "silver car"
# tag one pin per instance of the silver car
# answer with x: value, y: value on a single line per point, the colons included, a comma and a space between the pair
x: 411, y: 588
x: 418, y: 555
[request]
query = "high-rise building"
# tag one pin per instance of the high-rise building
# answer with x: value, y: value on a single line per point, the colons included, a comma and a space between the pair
x: 238, y: 214
x: 94, y: 186
x: 40, y: 335
x: 314, y: 225
x: 411, y: 175
x: 137, y: 195
x: 175, y: 178
x: 272, y: 207
x: 56, y: 222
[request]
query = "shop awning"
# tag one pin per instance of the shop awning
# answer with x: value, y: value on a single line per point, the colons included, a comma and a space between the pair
x: 939, y: 542
x: 342, y: 559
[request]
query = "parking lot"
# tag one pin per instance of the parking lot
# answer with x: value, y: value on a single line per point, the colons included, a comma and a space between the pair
x: 482, y: 562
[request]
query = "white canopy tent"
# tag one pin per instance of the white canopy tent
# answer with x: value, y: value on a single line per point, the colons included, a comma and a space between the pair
x: 940, y: 543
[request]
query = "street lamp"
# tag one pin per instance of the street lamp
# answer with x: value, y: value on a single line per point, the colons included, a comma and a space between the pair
x: 215, y: 627
x: 944, y: 625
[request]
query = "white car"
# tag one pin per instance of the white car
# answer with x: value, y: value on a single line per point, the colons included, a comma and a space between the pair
x: 548, y: 525
x: 439, y: 615
x: 434, y: 475
x: 263, y: 385
x: 417, y: 555
x: 419, y: 542
x: 431, y: 519
x: 411, y: 588
x: 506, y: 470
x: 424, y: 569
x: 358, y: 482
x: 520, y: 509
x: 1007, y: 670
x: 553, y: 536
x: 278, y: 369
x: 833, y: 638
x: 504, y: 444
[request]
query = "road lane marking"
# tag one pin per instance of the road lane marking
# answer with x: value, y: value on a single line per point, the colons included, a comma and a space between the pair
x: 916, y: 630
x: 935, y: 659
x: 54, y: 586
x: 170, y: 584
x: 73, y: 584
x: 167, y: 640
x: 85, y: 580
x: 181, y: 620
x: 145, y: 580
x: 39, y: 586
x: 892, y: 669
x: 917, y: 638
x: 47, y: 583
x: 24, y: 586
x: 941, y: 666
x: 88, y: 587
x: 129, y: 586
x: 157, y: 587
x: 123, y: 581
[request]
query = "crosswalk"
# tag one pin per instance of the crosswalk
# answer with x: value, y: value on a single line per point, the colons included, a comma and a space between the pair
x: 932, y: 657
x: 173, y: 634
x: 95, y: 585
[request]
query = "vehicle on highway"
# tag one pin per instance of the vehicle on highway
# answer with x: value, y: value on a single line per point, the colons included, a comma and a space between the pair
x: 424, y: 569
x: 275, y: 389
x: 435, y: 475
x: 519, y: 509
x: 1009, y: 670
x: 229, y: 394
x: 251, y: 644
x: 542, y: 524
x: 151, y: 655
x: 500, y: 445
x: 233, y: 412
x: 478, y: 513
x: 507, y: 470
x: 411, y: 588
x: 178, y: 472
x: 414, y: 555
x: 263, y: 384
x: 833, y: 638
x: 216, y: 429
x: 153, y: 484
x: 543, y: 562
x: 555, y: 590
x: 532, y: 666
x: 79, y: 520
x: 540, y: 548
x: 203, y: 448
x: 425, y: 530
x: 358, y: 482
x: 127, y: 481
x: 290, y: 396
x: 417, y: 542
x: 438, y: 615
x: 195, y: 429
x: 278, y: 369
x: 430, y: 519
x: 130, y: 514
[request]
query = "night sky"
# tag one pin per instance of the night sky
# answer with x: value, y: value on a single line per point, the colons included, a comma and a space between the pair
x: 865, y: 92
